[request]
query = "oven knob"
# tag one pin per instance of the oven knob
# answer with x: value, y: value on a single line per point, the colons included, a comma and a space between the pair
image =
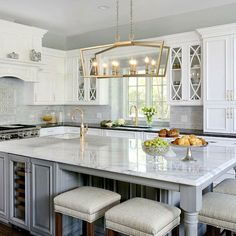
x: 21, y: 135
x: 7, y: 137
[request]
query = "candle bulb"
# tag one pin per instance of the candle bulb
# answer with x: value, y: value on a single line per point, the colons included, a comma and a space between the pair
x: 146, y: 60
x: 115, y: 66
x: 104, y: 65
x: 153, y: 66
x: 95, y: 65
x: 133, y: 64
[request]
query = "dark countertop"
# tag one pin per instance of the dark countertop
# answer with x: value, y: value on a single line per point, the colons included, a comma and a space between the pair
x: 153, y: 129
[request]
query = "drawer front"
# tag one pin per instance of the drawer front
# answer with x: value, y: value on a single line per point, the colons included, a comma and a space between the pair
x: 51, y: 131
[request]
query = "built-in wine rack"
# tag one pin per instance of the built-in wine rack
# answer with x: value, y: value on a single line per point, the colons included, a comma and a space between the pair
x: 19, y: 190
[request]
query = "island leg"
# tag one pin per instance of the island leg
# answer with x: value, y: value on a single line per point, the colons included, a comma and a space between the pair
x: 191, y: 203
x: 191, y: 223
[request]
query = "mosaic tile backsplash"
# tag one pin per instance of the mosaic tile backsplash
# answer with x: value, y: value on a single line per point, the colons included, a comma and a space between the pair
x: 7, y: 100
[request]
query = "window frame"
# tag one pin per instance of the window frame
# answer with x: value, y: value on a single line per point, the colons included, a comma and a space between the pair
x: 149, y: 99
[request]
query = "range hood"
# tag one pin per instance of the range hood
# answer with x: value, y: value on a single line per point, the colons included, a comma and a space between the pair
x: 20, y: 39
x: 26, y: 71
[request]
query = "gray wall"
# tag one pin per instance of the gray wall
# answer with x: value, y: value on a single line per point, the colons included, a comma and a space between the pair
x: 56, y: 41
x: 147, y: 29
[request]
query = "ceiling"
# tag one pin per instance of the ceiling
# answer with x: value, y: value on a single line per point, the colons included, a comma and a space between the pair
x: 73, y: 17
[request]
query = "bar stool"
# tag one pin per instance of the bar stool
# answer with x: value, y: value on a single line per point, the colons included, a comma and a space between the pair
x: 142, y: 217
x: 85, y: 203
x: 218, y: 212
x: 227, y: 186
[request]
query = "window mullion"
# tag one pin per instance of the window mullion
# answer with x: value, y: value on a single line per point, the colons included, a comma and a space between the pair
x: 149, y: 92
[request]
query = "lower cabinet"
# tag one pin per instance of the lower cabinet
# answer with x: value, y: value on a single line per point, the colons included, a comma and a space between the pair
x: 26, y: 193
x: 42, y: 197
x: 3, y: 187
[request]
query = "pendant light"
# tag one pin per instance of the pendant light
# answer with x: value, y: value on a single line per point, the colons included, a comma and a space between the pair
x: 133, y: 58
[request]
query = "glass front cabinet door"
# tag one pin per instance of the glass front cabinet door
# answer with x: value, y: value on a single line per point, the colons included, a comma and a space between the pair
x: 176, y: 74
x: 19, y: 191
x: 195, y: 82
x: 185, y: 76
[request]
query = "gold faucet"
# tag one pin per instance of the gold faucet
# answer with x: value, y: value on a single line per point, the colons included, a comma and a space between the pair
x: 135, y: 119
x: 83, y: 129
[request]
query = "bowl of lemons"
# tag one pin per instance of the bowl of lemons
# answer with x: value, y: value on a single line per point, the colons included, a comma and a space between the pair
x: 155, y: 147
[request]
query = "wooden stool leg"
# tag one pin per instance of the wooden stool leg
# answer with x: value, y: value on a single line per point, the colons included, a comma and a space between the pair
x: 212, y: 231
x: 228, y: 233
x: 58, y: 224
x: 175, y: 231
x: 90, y: 229
x: 110, y: 232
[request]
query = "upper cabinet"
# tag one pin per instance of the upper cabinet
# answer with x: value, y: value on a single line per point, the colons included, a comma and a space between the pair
x: 219, y: 55
x: 49, y: 88
x: 185, y: 73
x: 80, y: 90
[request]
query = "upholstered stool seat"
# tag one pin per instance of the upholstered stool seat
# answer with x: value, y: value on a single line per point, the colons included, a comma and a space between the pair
x: 85, y: 203
x: 218, y: 210
x: 142, y: 217
x: 227, y: 186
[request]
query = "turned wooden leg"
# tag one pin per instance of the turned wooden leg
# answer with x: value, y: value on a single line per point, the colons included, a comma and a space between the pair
x: 175, y: 231
x: 58, y: 224
x: 111, y: 233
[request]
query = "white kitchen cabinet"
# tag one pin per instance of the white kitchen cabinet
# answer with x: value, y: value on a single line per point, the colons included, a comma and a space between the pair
x: 185, y: 76
x: 219, y: 54
x: 80, y: 90
x: 123, y: 134
x: 217, y: 118
x: 49, y: 88
x: 51, y: 131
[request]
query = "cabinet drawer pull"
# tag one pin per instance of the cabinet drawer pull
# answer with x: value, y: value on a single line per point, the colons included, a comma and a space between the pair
x: 227, y: 114
x: 227, y: 95
x: 232, y: 95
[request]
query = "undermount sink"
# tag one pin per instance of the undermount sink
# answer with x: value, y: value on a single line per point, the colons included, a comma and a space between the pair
x: 136, y: 126
x: 67, y: 136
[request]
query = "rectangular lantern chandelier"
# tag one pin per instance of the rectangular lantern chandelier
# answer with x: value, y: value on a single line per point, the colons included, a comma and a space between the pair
x: 125, y: 58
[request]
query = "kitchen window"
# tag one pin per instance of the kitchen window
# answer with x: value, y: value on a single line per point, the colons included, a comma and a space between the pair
x: 146, y: 92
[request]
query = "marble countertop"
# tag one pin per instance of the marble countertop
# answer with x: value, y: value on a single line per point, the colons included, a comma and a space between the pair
x: 122, y: 155
x: 153, y: 129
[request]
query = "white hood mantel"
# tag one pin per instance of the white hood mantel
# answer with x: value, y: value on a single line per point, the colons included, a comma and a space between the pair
x: 26, y: 71
x: 20, y: 39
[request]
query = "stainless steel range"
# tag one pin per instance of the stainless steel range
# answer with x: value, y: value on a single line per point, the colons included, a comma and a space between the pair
x: 18, y: 131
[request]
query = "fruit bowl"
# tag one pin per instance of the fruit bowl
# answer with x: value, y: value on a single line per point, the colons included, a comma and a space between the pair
x: 155, y: 151
x: 155, y: 147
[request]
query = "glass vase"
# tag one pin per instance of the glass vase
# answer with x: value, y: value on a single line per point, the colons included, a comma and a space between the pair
x: 149, y: 121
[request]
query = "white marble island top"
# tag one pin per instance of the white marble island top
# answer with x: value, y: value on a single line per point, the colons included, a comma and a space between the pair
x: 122, y: 155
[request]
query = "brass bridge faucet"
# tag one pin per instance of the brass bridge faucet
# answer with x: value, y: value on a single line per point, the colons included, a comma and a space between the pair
x: 135, y: 119
x: 83, y: 129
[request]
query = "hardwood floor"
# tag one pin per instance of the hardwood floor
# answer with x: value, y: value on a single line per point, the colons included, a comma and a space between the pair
x: 9, y: 231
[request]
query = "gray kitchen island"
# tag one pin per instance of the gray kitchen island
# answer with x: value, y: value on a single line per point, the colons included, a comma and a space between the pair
x: 44, y: 167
